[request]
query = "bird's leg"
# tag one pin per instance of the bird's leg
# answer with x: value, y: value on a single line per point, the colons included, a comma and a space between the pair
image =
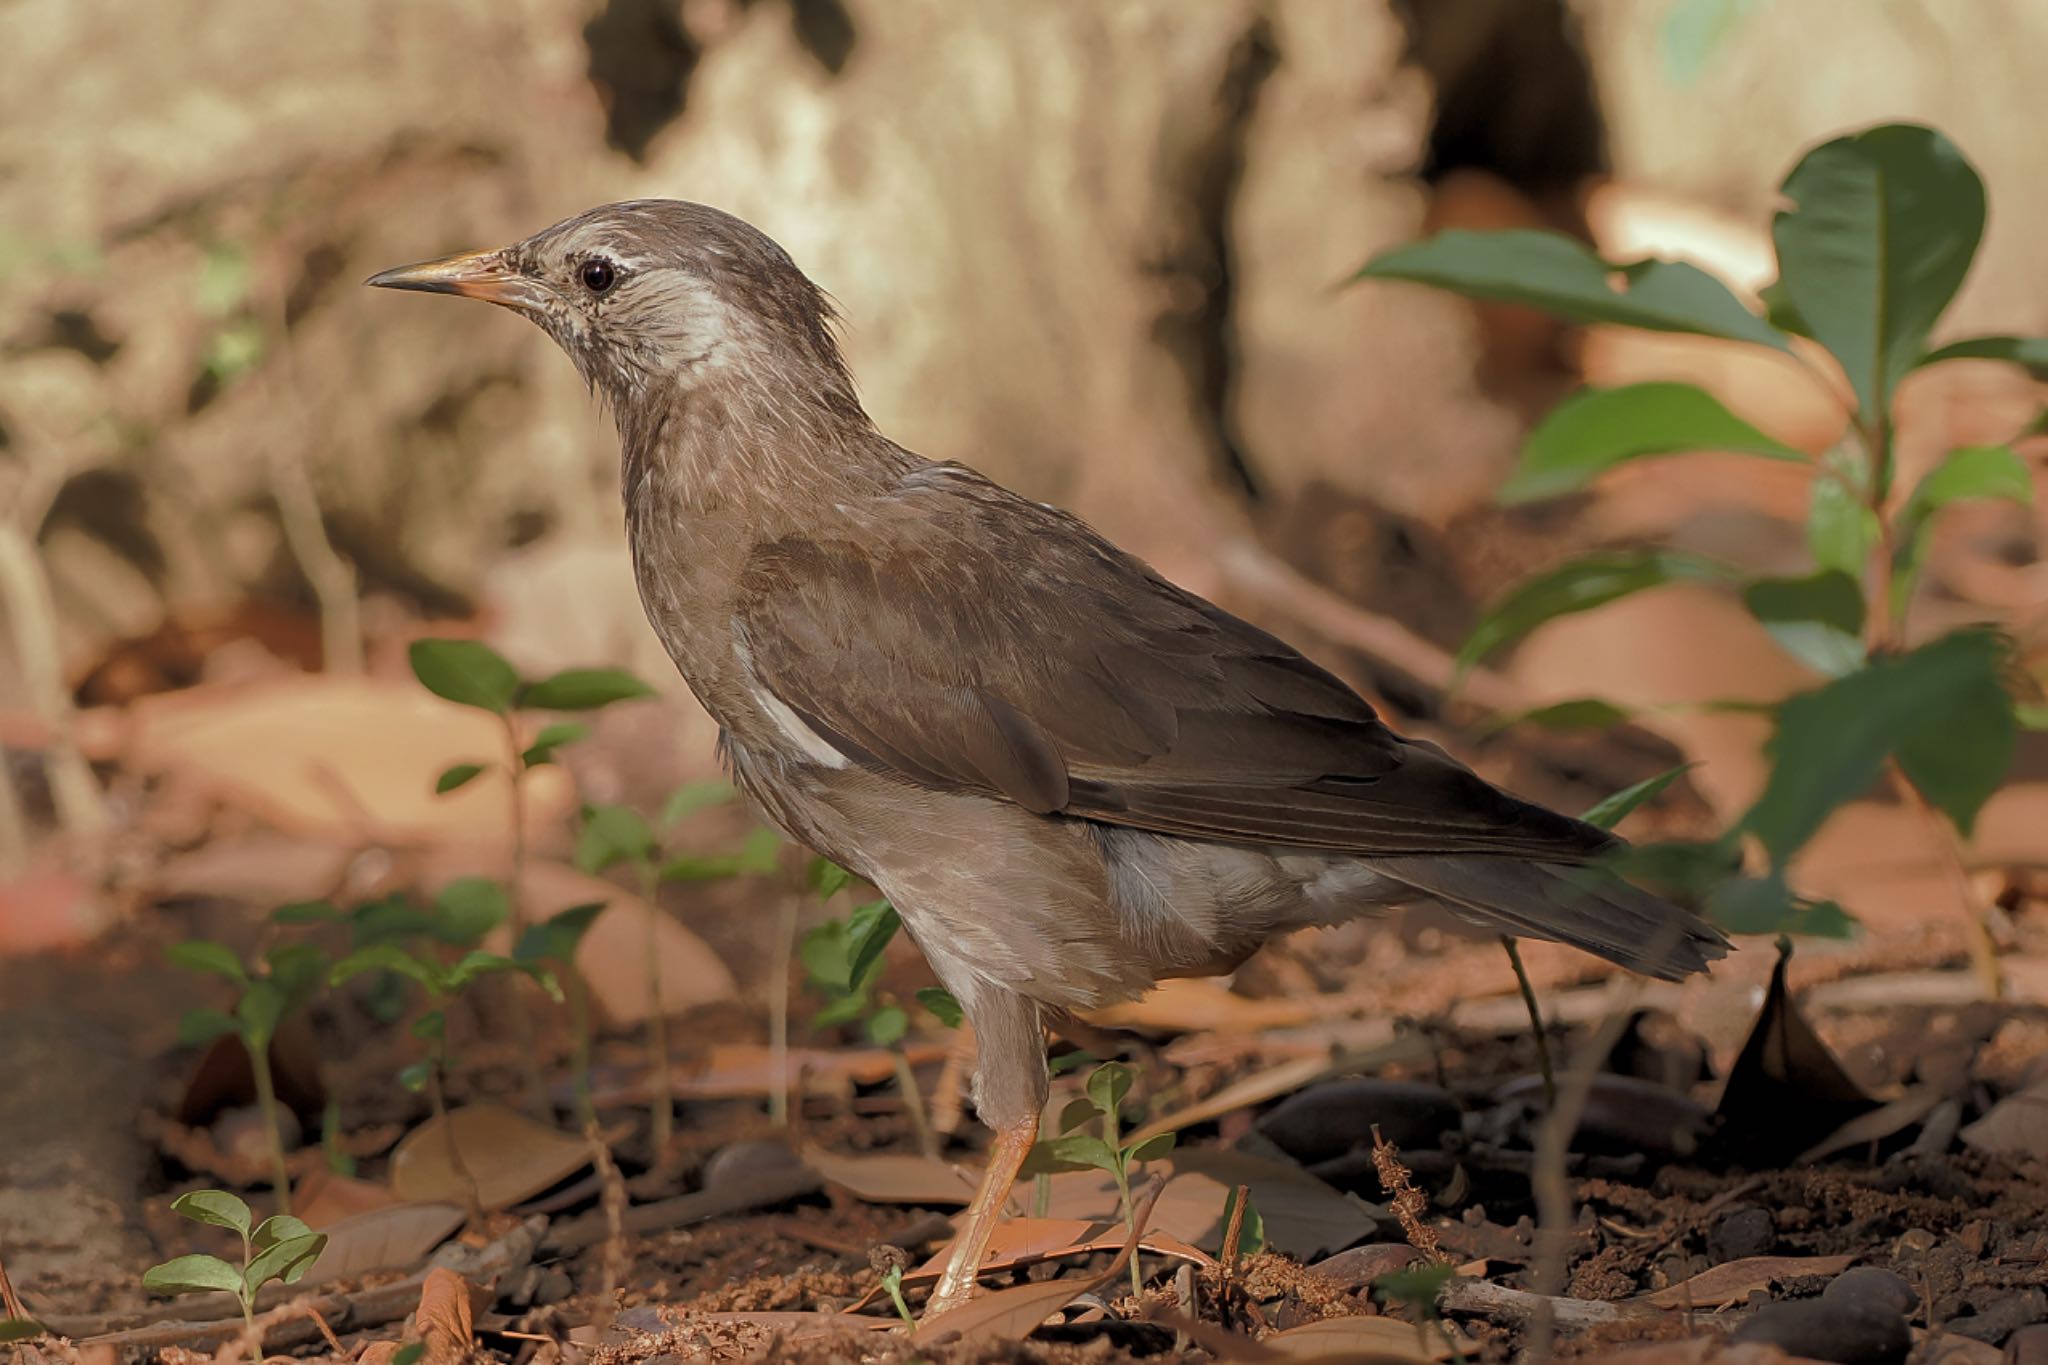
x: 1009, y: 1093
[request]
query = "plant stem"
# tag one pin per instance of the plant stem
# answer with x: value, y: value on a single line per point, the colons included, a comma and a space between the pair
x: 778, y: 1010
x: 1507, y: 941
x: 437, y: 1100
x: 266, y: 1100
x: 533, y: 1089
x: 662, y: 1105
x: 579, y: 1044
x: 913, y: 1102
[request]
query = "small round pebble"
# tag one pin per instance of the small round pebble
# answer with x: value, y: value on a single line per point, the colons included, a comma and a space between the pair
x: 1829, y: 1331
x: 1872, y: 1289
x: 1746, y: 1230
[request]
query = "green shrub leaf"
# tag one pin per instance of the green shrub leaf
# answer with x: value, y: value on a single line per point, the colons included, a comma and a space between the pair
x: 460, y: 775
x: 415, y: 1077
x: 1074, y: 1152
x: 1581, y: 585
x: 286, y: 1260
x: 1562, y: 277
x: 1597, y: 429
x: 1942, y: 710
x: 584, y: 689
x: 1883, y: 227
x: 199, y: 1027
x: 204, y: 955
x: 1765, y: 905
x: 465, y: 671
x: 692, y: 797
x: 389, y: 957
x: 1840, y: 527
x: 555, y: 939
x: 941, y: 1004
x: 1611, y: 811
x: 1251, y: 1229
x: 20, y: 1329
x: 1971, y: 472
x: 1817, y: 620
x: 829, y: 878
x: 1576, y: 713
x: 2031, y: 352
x: 468, y: 908
x: 887, y: 1025
x: 216, y: 1207
x: 1151, y: 1149
x: 869, y: 928
x: 551, y: 738
x: 612, y: 835
x: 193, y: 1275
x: 1107, y: 1086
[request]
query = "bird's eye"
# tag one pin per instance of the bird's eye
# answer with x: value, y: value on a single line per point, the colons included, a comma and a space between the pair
x: 598, y: 275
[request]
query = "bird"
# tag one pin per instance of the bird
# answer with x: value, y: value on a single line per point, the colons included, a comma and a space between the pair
x: 1071, y: 777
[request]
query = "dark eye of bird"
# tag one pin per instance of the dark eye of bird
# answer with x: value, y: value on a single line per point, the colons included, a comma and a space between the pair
x: 598, y: 275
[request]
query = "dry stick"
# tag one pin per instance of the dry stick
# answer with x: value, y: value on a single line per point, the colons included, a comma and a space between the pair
x: 533, y: 1089
x: 778, y: 1010
x: 439, y: 1100
x: 663, y: 1105
x: 26, y: 590
x: 10, y: 1302
x: 613, y: 1206
x: 913, y: 1101
x: 266, y: 1100
x: 1507, y: 941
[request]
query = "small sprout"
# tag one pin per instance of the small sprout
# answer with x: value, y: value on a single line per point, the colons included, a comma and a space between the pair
x: 280, y: 1248
x: 460, y: 775
x: 892, y: 1281
x: 939, y: 1002
x: 20, y: 1329
x: 1418, y: 1287
x: 553, y: 943
x: 692, y: 797
x: 1103, y: 1099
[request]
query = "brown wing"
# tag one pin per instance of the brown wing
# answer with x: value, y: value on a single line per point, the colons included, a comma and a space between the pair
x: 960, y: 637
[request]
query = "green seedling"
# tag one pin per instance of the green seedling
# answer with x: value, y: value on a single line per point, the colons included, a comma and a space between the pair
x: 14, y: 1330
x: 614, y: 836
x: 443, y: 984
x: 552, y: 945
x: 1419, y: 1287
x: 1102, y: 1099
x: 843, y: 960
x: 280, y: 1248
x: 892, y: 1284
x: 282, y: 983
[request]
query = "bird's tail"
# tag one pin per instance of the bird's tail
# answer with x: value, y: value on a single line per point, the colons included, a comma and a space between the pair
x: 1586, y: 906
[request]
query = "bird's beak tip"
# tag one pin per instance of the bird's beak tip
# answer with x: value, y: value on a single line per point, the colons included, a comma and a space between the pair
x: 474, y: 274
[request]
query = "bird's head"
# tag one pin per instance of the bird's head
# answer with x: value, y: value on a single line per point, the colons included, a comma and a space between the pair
x: 655, y: 296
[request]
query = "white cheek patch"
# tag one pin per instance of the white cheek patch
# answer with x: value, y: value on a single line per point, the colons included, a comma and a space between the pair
x: 807, y: 741
x: 685, y: 323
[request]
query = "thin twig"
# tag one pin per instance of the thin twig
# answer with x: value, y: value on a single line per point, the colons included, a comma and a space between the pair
x: 778, y: 1010
x: 613, y: 1205
x: 1536, y: 1030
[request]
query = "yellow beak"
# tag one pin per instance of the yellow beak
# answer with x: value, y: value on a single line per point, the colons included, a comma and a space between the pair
x: 473, y: 274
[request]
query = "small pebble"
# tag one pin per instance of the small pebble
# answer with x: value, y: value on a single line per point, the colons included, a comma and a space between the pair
x: 1872, y: 1289
x: 1745, y: 1230
x: 2028, y: 1346
x: 1326, y: 1121
x: 748, y: 1160
x: 2004, y: 1318
x: 1827, y: 1331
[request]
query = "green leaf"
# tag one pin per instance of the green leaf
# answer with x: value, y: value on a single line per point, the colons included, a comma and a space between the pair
x: 468, y: 908
x: 430, y: 1027
x: 1941, y: 709
x: 306, y: 912
x: 216, y: 1207
x: 459, y: 775
x: 1765, y: 905
x: 584, y: 689
x: 1970, y: 472
x: 279, y: 1227
x: 298, y: 969
x: 1882, y: 229
x: 286, y: 1260
x: 20, y: 1329
x: 887, y: 1025
x: 203, y: 955
x: 1560, y: 276
x: 825, y: 955
x: 1779, y: 312
x: 1417, y: 1285
x: 1817, y: 620
x: 692, y: 797
x: 1076, y: 1112
x: 757, y: 854
x: 199, y: 1027
x: 193, y: 1275
x: 941, y: 1004
x: 868, y: 930
x: 612, y: 835
x: 1578, y: 713
x: 465, y: 671
x: 843, y: 1010
x: 415, y: 1077
x: 1612, y: 810
x: 1107, y: 1086
x: 1151, y: 1149
x: 259, y: 1009
x: 697, y: 867
x: 2031, y: 352
x: 1074, y: 1152
x: 551, y: 738
x: 1251, y: 1232
x: 829, y: 878
x: 1840, y: 527
x: 556, y: 938
x: 476, y: 963
x: 1581, y: 585
x: 1596, y: 429
x: 389, y: 957
x: 388, y: 918
x: 409, y: 1354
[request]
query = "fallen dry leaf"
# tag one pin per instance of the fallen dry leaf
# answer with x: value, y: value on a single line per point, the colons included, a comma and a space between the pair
x: 742, y: 1070
x: 891, y: 1177
x: 444, y: 1317
x: 2015, y: 1126
x: 1735, y: 1281
x: 323, y: 1198
x: 395, y: 1237
x: 1018, y: 1243
x: 1359, y: 1339
x: 1303, y: 1216
x: 612, y: 956
x: 510, y: 1156
x: 348, y: 758
x: 264, y: 868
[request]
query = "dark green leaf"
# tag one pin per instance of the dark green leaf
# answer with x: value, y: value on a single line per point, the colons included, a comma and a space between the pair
x: 1075, y: 1112
x: 203, y: 955
x: 468, y: 908
x: 940, y: 1002
x: 1580, y: 585
x: 829, y: 878
x: 259, y: 1009
x: 1074, y: 1152
x: 843, y: 1010
x: 1596, y: 429
x: 1883, y: 226
x: 198, y: 1027
x: 694, y: 867
x: 464, y: 671
x: 307, y: 912
x: 551, y: 738
x: 298, y: 969
x: 1107, y: 1086
x: 216, y: 1207
x: 20, y: 1329
x: 409, y: 1354
x: 1579, y: 713
x: 1765, y: 905
x: 613, y: 835
x: 390, y: 918
x: 1840, y: 527
x: 1971, y: 472
x: 1151, y: 1149
x: 459, y: 775
x: 1817, y: 620
x: 887, y: 1025
x: 555, y: 939
x: 1418, y: 1285
x: 389, y: 957
x: 431, y: 1026
x: 584, y: 689
x: 192, y: 1275
x: 692, y: 797
x: 2031, y: 352
x: 287, y: 1260
x: 825, y: 955
x: 279, y: 1227
x: 868, y: 930
x: 1942, y: 710
x: 1560, y: 276
x: 416, y: 1076
x: 474, y: 964
x: 1611, y: 811
x: 1779, y: 312
x: 1686, y: 869
x: 1059, y: 1064
x: 757, y: 854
